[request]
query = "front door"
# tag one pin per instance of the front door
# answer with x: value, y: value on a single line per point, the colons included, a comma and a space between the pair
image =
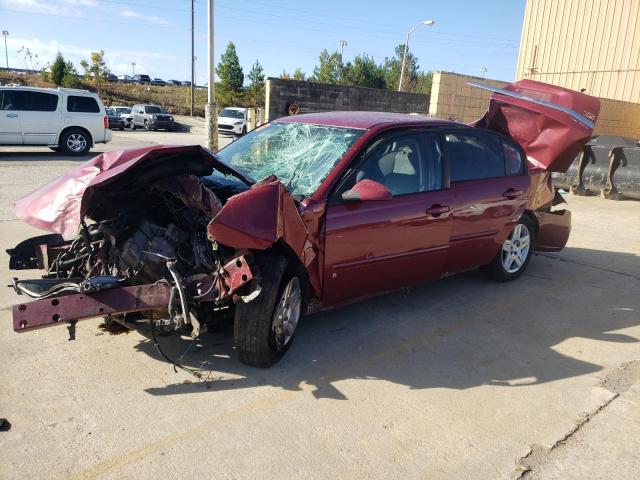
x: 10, y: 133
x: 490, y: 185
x: 377, y: 246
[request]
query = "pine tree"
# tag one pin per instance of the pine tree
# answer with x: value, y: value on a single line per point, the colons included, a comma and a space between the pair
x: 58, y: 70
x: 256, y: 77
x: 230, y: 72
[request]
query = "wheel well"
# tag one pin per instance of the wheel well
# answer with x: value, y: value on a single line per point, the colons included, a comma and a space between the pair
x: 66, y: 129
x: 281, y: 248
x: 532, y: 218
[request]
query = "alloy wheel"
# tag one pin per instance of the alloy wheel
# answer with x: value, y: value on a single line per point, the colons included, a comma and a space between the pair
x: 515, y: 249
x: 287, y: 313
x: 76, y: 142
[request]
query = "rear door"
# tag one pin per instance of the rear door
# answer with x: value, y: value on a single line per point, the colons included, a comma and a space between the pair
x: 10, y: 132
x: 39, y: 116
x: 490, y: 184
x: 377, y: 246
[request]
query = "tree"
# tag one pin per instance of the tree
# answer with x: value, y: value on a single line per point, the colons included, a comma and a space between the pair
x: 330, y: 68
x: 70, y: 79
x: 363, y: 72
x: 298, y: 74
x: 58, y: 69
x: 423, y: 83
x: 230, y: 72
x: 256, y: 79
x: 392, y: 68
x: 285, y: 75
x: 96, y: 70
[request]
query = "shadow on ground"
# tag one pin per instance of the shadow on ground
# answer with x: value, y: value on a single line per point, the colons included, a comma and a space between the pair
x: 457, y: 333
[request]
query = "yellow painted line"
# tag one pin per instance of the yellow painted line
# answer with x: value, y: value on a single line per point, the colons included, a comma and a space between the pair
x: 261, y: 403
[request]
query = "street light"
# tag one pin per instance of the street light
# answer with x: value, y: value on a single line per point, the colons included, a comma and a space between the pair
x: 428, y: 23
x: 6, y: 52
x: 342, y: 44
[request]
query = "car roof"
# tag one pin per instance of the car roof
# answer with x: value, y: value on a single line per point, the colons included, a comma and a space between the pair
x: 235, y: 108
x: 73, y: 91
x: 363, y: 120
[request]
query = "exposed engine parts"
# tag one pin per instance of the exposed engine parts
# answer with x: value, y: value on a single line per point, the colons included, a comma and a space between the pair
x: 145, y: 238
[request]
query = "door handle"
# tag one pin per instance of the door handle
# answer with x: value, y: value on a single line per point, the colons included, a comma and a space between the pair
x: 436, y: 210
x: 12, y: 115
x: 512, y: 193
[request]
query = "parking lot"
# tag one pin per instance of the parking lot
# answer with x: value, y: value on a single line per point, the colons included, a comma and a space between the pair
x: 462, y: 378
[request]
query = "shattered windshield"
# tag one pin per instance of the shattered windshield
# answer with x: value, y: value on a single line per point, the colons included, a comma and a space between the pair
x: 300, y: 155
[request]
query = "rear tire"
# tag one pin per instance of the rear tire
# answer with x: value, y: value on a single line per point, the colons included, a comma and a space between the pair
x: 514, y: 256
x: 75, y: 141
x: 262, y: 330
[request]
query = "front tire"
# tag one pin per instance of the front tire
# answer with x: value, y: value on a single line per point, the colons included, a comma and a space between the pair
x: 75, y: 141
x: 514, y: 256
x: 264, y: 328
x: 147, y: 125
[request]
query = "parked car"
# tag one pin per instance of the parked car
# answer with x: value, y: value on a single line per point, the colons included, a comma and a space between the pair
x: 233, y: 120
x: 173, y: 82
x: 112, y: 78
x: 158, y: 82
x: 185, y: 83
x: 125, y: 79
x: 125, y: 113
x: 141, y: 78
x: 307, y: 212
x: 63, y: 119
x: 151, y: 117
x: 116, y: 122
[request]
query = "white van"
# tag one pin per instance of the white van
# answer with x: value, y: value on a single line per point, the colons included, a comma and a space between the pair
x: 64, y: 119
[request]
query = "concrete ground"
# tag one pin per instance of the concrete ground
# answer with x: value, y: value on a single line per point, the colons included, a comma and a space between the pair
x: 461, y: 378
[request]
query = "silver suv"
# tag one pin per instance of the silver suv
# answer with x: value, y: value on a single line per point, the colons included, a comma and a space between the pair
x: 62, y: 119
x: 151, y: 117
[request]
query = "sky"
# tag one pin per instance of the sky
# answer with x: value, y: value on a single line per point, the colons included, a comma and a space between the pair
x: 282, y: 34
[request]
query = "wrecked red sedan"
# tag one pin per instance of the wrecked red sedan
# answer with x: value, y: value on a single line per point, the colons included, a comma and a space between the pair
x: 307, y: 212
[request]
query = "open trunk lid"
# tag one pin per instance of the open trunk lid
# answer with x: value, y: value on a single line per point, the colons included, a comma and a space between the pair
x: 552, y: 124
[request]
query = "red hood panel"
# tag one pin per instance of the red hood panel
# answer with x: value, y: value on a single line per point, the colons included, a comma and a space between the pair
x: 552, y: 124
x: 59, y: 205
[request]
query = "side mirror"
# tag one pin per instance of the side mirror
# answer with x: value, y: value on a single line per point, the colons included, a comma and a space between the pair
x: 367, y: 190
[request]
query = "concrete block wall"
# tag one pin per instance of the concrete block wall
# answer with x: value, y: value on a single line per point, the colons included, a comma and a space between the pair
x: 618, y: 118
x: 314, y: 97
x: 451, y: 97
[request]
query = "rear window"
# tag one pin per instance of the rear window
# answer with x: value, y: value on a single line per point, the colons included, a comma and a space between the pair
x: 153, y: 109
x: 28, y: 101
x: 474, y: 156
x: 82, y: 104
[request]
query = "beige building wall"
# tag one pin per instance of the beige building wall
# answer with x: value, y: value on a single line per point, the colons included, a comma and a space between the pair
x: 590, y: 44
x: 452, y: 98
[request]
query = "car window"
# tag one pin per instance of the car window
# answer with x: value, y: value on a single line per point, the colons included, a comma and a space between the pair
x: 513, y: 159
x: 82, y: 104
x: 29, y: 101
x: 404, y: 163
x: 474, y: 156
x: 153, y: 109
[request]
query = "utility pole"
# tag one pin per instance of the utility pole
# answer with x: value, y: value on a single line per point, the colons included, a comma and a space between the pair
x: 133, y: 68
x: 211, y: 110
x: 342, y: 44
x: 6, y: 52
x: 483, y: 70
x: 193, y: 76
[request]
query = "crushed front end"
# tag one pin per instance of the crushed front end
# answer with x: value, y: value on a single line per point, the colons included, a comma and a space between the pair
x: 130, y: 243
